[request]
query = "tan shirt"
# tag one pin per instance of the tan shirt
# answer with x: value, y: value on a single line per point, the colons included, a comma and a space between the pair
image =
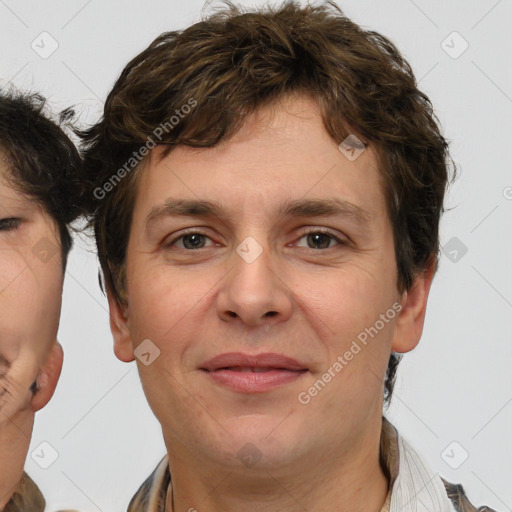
x: 26, y: 498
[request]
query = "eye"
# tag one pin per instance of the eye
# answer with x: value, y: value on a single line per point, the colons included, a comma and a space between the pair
x: 193, y: 240
x: 190, y: 240
x: 9, y: 224
x: 320, y: 239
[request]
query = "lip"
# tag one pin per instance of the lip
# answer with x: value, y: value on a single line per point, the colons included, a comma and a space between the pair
x: 247, y: 373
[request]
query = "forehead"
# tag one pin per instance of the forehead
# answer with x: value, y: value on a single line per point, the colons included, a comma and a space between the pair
x: 15, y: 203
x: 281, y: 152
x: 10, y: 197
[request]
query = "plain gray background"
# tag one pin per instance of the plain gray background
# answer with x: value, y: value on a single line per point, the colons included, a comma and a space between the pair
x: 455, y: 387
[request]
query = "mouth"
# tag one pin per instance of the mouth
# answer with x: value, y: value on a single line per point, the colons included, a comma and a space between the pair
x: 253, y: 374
x: 254, y: 369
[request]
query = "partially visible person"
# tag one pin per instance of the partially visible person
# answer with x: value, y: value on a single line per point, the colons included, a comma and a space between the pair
x: 39, y: 197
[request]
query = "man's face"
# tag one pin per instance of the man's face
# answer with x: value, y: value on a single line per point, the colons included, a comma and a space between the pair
x: 31, y: 281
x: 252, y: 281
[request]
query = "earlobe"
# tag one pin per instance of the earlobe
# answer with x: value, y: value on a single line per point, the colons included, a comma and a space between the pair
x: 48, y: 377
x: 123, y: 347
x: 409, y: 324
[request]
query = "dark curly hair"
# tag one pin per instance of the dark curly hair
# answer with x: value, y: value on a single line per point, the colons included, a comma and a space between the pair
x: 41, y: 160
x: 235, y: 61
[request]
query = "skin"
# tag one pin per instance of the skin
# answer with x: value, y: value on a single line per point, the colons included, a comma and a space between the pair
x: 196, y: 303
x: 30, y: 302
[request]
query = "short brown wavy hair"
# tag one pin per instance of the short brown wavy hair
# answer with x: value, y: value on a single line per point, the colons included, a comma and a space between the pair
x: 235, y: 61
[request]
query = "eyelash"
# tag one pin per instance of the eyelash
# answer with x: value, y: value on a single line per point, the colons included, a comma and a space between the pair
x: 309, y: 232
x: 9, y: 224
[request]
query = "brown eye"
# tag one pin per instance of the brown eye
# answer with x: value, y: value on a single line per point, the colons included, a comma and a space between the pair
x: 190, y: 241
x: 193, y: 241
x: 320, y: 239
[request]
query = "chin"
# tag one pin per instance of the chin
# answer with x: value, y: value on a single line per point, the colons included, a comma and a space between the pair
x: 264, y: 439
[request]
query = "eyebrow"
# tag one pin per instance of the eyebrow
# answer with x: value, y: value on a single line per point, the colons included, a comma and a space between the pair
x: 292, y: 208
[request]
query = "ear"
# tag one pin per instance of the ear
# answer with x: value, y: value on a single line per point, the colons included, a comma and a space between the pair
x: 48, y: 377
x: 409, y: 324
x: 123, y: 347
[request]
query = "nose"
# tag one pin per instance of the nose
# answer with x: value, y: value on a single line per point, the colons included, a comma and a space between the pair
x: 254, y: 292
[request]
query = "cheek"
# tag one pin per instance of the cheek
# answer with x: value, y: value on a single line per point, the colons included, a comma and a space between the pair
x: 162, y: 302
x: 350, y: 303
x: 12, y: 265
x: 50, y: 281
x: 344, y: 299
x: 19, y: 290
x: 31, y: 280
x: 30, y: 304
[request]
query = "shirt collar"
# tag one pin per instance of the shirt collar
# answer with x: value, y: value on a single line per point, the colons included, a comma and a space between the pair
x: 414, y: 486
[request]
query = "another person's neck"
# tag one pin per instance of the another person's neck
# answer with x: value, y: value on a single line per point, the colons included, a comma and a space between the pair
x: 15, y: 436
x: 352, y: 481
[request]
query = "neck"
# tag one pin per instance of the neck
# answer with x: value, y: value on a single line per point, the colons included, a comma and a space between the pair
x: 15, y: 435
x: 344, y: 480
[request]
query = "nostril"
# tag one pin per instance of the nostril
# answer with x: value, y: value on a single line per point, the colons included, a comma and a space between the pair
x: 271, y: 313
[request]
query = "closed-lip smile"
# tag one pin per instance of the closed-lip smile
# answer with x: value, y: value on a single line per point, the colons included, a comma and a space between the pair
x: 248, y: 373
